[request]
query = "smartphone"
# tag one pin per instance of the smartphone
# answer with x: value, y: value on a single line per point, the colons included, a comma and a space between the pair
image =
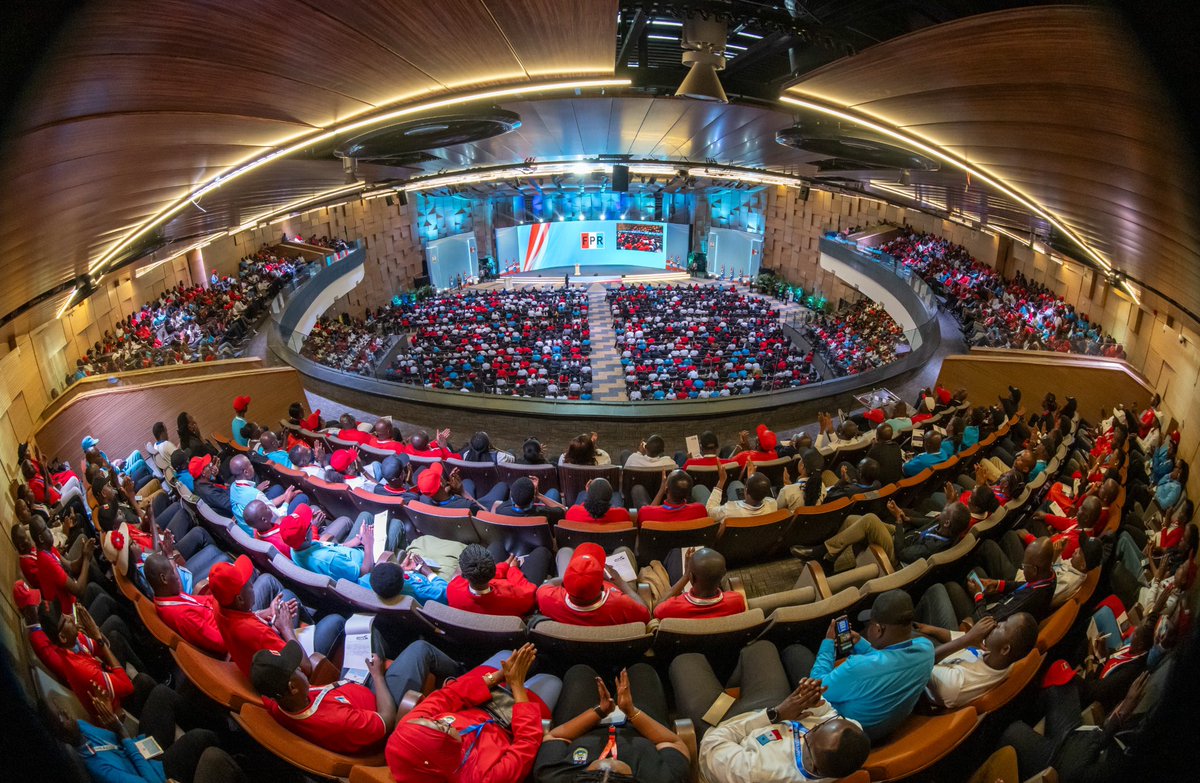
x: 842, y: 641
x: 974, y: 577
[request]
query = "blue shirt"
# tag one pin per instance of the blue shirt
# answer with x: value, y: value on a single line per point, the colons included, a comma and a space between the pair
x: 333, y: 560
x: 1167, y: 492
x: 421, y: 587
x: 241, y: 492
x: 109, y: 759
x: 1161, y: 464
x: 186, y: 479
x: 927, y: 460
x: 970, y: 436
x: 236, y: 426
x: 280, y: 457
x: 877, y: 688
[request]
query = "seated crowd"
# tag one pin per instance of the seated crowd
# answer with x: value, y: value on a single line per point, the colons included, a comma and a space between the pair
x: 995, y: 312
x: 859, y: 338
x: 700, y: 341
x: 787, y: 712
x: 196, y: 324
x: 336, y: 244
x: 524, y: 343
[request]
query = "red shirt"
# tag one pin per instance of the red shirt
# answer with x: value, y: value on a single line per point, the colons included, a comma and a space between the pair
x: 754, y: 456
x: 193, y: 617
x: 580, y: 514
x: 388, y: 445
x: 340, y: 717
x: 667, y: 513
x: 497, y: 755
x: 37, y: 485
x: 52, y: 581
x: 303, y: 512
x: 51, y: 655
x: 245, y: 634
x: 612, y: 608
x: 510, y: 594
x: 355, y: 436
x: 434, y: 451
x: 686, y: 606
x: 86, y: 672
x: 29, y: 569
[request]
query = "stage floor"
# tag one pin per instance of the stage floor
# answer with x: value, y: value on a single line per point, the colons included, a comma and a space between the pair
x: 596, y: 274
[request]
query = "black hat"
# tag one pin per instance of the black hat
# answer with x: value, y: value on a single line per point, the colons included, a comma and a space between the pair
x: 1093, y: 551
x: 391, y: 468
x: 895, y: 607
x: 270, y: 671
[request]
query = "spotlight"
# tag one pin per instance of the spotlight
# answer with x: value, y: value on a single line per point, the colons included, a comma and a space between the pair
x: 703, y: 42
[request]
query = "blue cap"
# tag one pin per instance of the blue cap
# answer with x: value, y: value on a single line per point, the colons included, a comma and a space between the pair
x: 89, y: 442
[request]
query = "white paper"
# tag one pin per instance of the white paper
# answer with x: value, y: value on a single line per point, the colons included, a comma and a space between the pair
x: 1057, y: 510
x: 930, y: 403
x: 615, y: 718
x: 357, y: 647
x: 380, y: 538
x: 305, y: 636
x: 692, y: 444
x: 620, y: 563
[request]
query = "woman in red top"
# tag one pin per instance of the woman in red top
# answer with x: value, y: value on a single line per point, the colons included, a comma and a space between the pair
x: 596, y: 505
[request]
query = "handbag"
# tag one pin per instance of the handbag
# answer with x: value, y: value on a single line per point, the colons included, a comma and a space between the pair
x: 500, y: 708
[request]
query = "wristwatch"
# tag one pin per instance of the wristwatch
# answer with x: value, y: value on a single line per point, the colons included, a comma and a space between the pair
x: 599, y: 712
x: 772, y: 714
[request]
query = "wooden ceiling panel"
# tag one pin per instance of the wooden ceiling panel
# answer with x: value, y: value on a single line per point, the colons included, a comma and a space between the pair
x: 535, y: 31
x: 1056, y: 101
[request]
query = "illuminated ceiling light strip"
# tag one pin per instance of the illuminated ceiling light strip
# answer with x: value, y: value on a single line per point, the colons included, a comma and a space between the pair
x: 1017, y: 237
x: 202, y: 243
x: 171, y: 210
x: 912, y: 196
x: 254, y: 221
x: 747, y: 176
x: 1132, y: 292
x: 584, y: 167
x: 914, y: 142
x: 67, y: 304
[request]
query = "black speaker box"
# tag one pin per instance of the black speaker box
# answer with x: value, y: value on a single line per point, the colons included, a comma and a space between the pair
x: 620, y: 178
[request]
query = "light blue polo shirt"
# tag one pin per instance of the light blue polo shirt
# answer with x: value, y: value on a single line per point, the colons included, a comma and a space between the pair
x: 333, y: 560
x: 877, y: 688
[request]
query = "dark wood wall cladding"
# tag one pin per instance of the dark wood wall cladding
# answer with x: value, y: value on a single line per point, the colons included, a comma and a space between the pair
x: 1093, y: 383
x: 1058, y: 102
x: 122, y: 418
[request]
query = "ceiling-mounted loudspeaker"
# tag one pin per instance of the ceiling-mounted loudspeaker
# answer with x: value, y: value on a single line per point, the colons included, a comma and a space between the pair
x: 620, y: 178
x: 703, y: 42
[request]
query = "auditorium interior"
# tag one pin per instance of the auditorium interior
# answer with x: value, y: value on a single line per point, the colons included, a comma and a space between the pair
x: 755, y: 390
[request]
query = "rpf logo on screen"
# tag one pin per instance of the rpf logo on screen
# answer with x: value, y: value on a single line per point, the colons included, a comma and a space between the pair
x: 591, y: 240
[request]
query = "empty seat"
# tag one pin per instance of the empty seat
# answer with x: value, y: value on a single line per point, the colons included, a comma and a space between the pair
x: 711, y: 636
x: 773, y: 469
x: 518, y: 535
x: 656, y: 539
x: 296, y: 750
x: 334, y: 498
x: 807, y: 622
x: 609, y: 535
x: 854, y: 577
x: 813, y: 524
x: 794, y: 597
x: 895, y: 581
x: 465, y: 631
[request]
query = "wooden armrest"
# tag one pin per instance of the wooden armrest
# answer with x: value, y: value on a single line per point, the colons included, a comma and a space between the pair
x: 881, y: 558
x: 410, y: 700
x: 819, y: 582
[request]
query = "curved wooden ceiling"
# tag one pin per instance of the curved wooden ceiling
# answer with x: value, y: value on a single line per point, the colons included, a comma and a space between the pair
x: 139, y: 103
x: 1057, y: 102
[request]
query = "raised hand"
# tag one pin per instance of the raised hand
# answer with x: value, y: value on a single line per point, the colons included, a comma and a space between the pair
x: 516, y: 667
x: 624, y: 694
x: 106, y: 715
x: 806, y: 697
x: 605, y: 703
x: 87, y: 623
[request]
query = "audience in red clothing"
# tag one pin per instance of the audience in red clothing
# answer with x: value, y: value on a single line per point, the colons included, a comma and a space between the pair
x: 586, y: 597
x: 699, y: 592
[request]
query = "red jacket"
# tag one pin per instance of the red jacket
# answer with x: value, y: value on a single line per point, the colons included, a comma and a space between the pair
x: 613, y: 607
x: 194, y: 619
x: 685, y: 606
x: 511, y: 594
x: 497, y: 756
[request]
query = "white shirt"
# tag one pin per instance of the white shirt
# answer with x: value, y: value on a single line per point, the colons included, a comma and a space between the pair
x: 737, y: 508
x: 640, y: 461
x: 962, y: 678
x: 828, y: 443
x: 791, y: 496
x: 751, y: 748
x: 1067, y: 580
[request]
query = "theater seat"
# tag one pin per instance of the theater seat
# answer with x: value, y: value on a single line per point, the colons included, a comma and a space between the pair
x: 854, y: 577
x: 361, y: 774
x: 1052, y: 630
x: 148, y: 614
x: 713, y: 636
x: 1087, y: 588
x: 125, y: 586
x: 362, y: 598
x: 220, y: 681
x: 464, y: 630
x: 606, y: 646
x: 260, y: 552
x: 901, y: 579
x: 334, y: 498
x: 547, y: 475
x: 1019, y: 676
x: 518, y: 535
x: 772, y: 601
x: 609, y: 535
x: 572, y: 479
x: 482, y: 473
x: 656, y: 539
x: 753, y: 539
x: 919, y: 743
x: 292, y: 575
x: 296, y: 750
x: 793, y: 623
x: 451, y: 524
x: 811, y: 525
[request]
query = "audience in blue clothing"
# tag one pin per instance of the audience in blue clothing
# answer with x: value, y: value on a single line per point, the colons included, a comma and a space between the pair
x: 937, y: 451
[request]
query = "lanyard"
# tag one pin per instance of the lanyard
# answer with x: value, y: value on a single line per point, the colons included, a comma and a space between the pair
x: 475, y: 732
x: 1034, y: 585
x: 799, y: 731
x: 610, y: 748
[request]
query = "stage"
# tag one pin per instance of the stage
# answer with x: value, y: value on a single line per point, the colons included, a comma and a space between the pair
x: 599, y: 273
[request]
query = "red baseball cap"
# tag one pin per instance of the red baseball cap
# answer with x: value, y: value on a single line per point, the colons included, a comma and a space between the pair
x: 766, y: 439
x: 313, y: 421
x: 293, y: 528
x: 430, y: 480
x: 24, y: 595
x: 226, y: 580
x: 1059, y: 673
x: 341, y: 459
x: 240, y: 404
x: 584, y: 577
x: 196, y: 465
